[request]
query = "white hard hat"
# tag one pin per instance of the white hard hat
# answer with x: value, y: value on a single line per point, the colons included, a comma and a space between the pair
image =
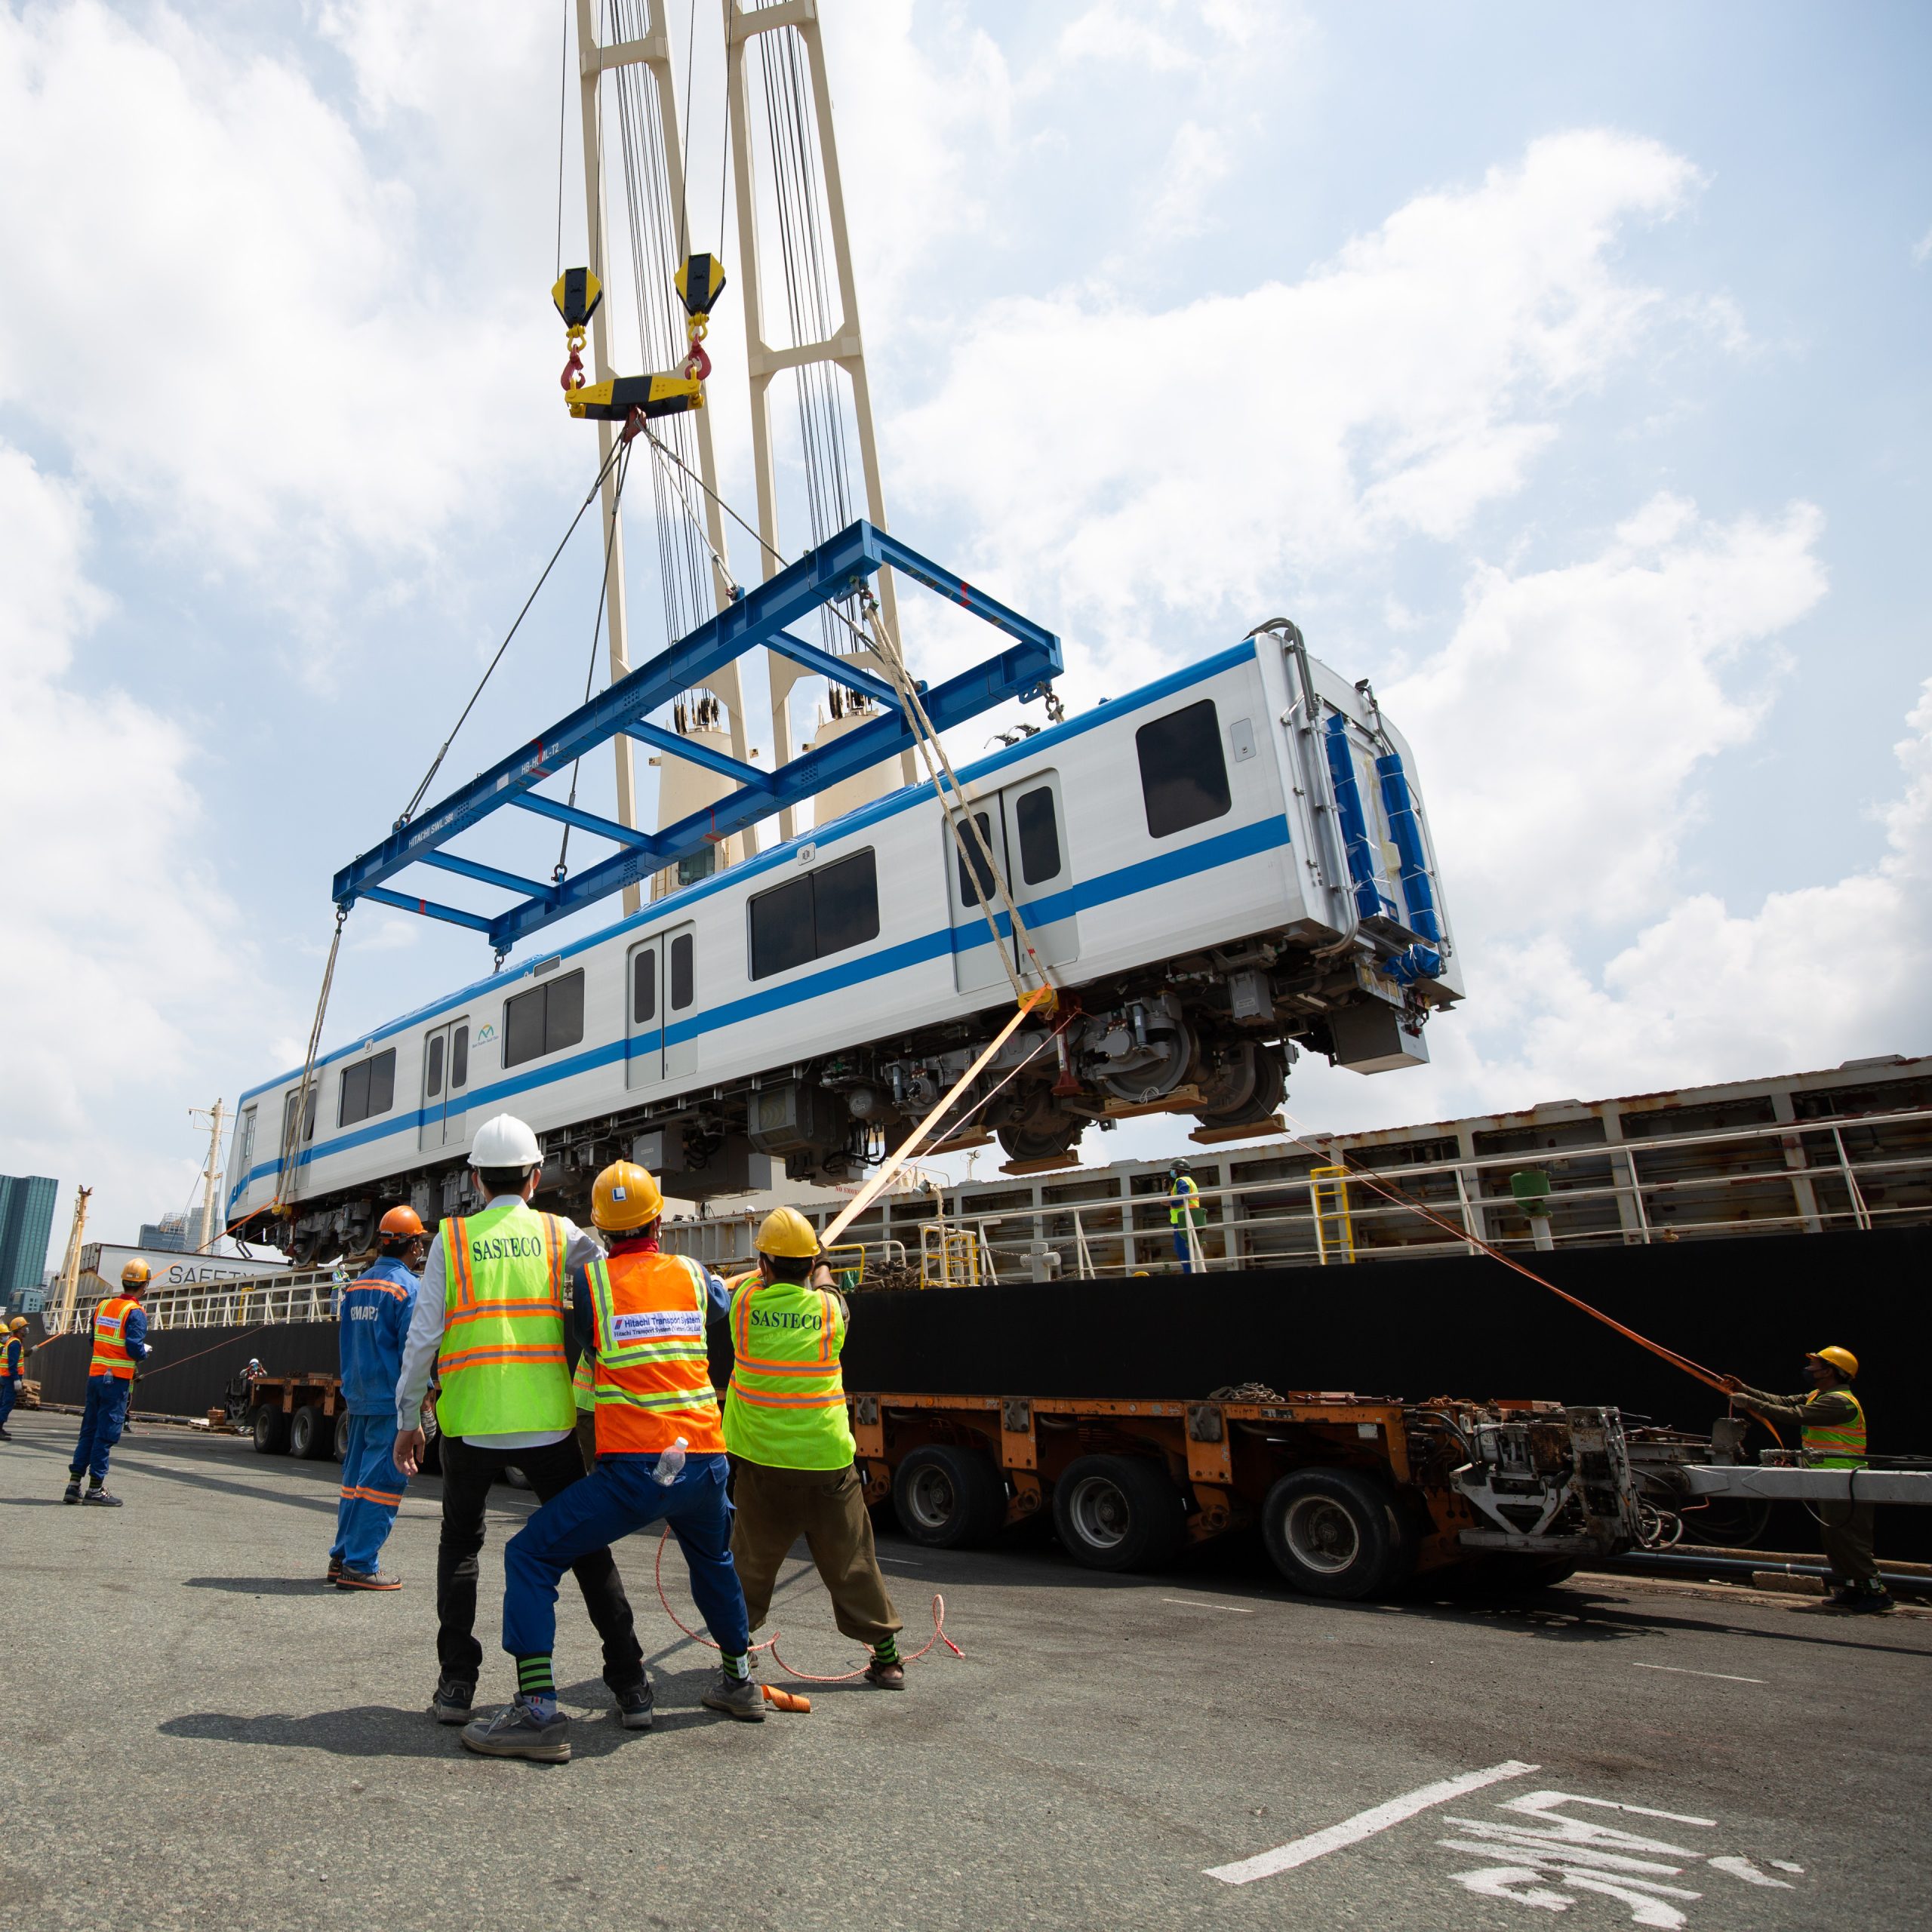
x: 504, y: 1141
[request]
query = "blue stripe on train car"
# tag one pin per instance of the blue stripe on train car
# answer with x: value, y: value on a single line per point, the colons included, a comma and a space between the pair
x: 1225, y: 848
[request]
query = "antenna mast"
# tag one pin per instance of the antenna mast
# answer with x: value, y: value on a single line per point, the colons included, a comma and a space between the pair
x: 211, y: 1174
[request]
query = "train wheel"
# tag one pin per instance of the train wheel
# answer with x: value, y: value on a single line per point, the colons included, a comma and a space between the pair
x: 1119, y: 1512
x: 1029, y: 1143
x: 949, y: 1498
x: 1245, y: 1091
x: 1335, y: 1532
x: 310, y: 1434
x: 270, y: 1430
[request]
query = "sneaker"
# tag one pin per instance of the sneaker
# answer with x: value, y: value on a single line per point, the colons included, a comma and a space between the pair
x: 451, y: 1705
x: 100, y: 1498
x: 367, y: 1579
x: 636, y: 1703
x: 71, y: 1493
x: 517, y: 1731
x: 335, y: 1570
x: 737, y: 1697
x: 886, y: 1676
x: 1870, y: 1601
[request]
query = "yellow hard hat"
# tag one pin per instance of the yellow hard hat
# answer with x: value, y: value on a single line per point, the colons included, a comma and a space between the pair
x: 624, y: 1196
x: 787, y: 1234
x: 19, y: 1322
x: 137, y: 1274
x: 1843, y: 1360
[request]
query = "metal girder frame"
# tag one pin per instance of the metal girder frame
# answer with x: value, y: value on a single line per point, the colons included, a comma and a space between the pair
x: 834, y: 570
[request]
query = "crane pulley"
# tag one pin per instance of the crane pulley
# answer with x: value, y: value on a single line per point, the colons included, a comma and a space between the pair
x: 699, y: 281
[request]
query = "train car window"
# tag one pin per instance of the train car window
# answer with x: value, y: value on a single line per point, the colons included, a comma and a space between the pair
x: 308, y: 1121
x: 964, y: 845
x: 544, y: 1020
x: 247, y: 1153
x: 782, y: 927
x: 826, y: 911
x: 1183, y: 776
x: 644, y: 985
x: 1039, y: 835
x: 563, y: 1019
x: 683, y: 991
x: 368, y: 1088
x: 845, y: 904
x: 432, y: 1077
x: 459, y: 1058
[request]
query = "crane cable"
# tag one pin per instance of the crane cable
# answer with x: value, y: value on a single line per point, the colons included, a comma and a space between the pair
x: 295, y: 1117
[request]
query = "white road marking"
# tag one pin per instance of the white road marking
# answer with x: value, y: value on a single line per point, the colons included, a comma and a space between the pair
x: 1201, y: 1603
x: 1677, y: 1670
x: 1743, y: 1868
x: 1786, y: 1865
x: 1364, y: 1825
x: 907, y: 1561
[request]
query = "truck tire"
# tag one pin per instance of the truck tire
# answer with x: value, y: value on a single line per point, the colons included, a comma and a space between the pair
x: 310, y: 1435
x: 1336, y: 1532
x: 270, y: 1429
x: 949, y: 1498
x: 1119, y: 1512
x: 340, y: 1448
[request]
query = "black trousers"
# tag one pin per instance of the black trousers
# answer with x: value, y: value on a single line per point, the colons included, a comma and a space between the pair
x: 468, y: 1472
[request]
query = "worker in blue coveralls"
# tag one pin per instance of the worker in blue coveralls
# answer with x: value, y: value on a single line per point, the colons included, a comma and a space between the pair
x: 374, y: 1310
x: 120, y: 1341
x: 1183, y: 1206
x: 13, y: 1370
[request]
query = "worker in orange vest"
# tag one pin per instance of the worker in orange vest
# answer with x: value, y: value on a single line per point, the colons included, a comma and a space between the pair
x: 13, y: 1370
x: 120, y: 1340
x: 660, y: 1457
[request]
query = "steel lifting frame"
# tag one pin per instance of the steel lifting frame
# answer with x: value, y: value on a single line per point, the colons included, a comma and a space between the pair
x: 759, y: 619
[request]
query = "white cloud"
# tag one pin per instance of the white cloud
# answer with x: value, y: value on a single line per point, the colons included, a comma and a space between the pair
x: 1197, y: 162
x: 1196, y: 458
x: 126, y: 965
x: 1922, y: 249
x: 1561, y: 728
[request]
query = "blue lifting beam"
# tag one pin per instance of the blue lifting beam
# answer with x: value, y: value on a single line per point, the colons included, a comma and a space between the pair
x: 836, y: 569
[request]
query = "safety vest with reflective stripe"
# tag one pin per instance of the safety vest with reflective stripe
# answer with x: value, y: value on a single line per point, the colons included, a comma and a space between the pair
x: 786, y: 1406
x: 654, y: 1376
x: 1835, y: 1445
x: 503, y: 1367
x: 583, y: 1384
x: 110, y: 1347
x: 1185, y: 1200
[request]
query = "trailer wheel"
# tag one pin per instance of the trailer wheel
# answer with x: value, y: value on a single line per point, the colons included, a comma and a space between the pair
x: 270, y: 1429
x: 1335, y: 1532
x: 949, y: 1498
x: 1119, y: 1512
x: 310, y: 1435
x: 340, y: 1449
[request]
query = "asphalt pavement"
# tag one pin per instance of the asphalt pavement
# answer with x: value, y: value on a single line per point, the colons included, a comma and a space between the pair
x: 199, y: 1733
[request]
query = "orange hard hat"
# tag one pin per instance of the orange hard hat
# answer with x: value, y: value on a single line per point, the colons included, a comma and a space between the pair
x: 624, y: 1196
x: 403, y: 1221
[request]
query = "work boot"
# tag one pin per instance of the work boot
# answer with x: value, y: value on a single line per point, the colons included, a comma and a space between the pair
x: 335, y: 1570
x: 886, y: 1676
x: 635, y: 1704
x: 1878, y: 1599
x: 367, y: 1579
x: 737, y: 1697
x: 517, y: 1731
x: 6, y: 1436
x: 73, y: 1492
x: 451, y: 1705
x: 99, y: 1496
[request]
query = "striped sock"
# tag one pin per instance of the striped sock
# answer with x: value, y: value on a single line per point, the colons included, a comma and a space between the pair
x: 535, y: 1683
x: 886, y: 1650
x: 736, y: 1665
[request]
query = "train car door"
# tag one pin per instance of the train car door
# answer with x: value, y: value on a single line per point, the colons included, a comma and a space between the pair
x: 1025, y: 826
x: 444, y: 1121
x: 644, y: 1049
x: 680, y: 1001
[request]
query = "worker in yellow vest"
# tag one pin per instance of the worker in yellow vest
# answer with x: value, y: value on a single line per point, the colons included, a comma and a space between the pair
x: 120, y: 1340
x: 1184, y: 1214
x: 489, y: 1321
x: 1829, y: 1422
x: 660, y: 1458
x: 13, y: 1370
x: 792, y: 1447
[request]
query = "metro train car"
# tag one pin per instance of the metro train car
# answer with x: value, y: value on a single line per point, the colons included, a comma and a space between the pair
x: 1230, y: 865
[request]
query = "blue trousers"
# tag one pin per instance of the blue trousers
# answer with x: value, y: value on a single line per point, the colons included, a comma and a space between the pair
x: 10, y: 1392
x: 1182, y: 1254
x: 101, y: 1423
x: 619, y: 1495
x: 372, y: 1488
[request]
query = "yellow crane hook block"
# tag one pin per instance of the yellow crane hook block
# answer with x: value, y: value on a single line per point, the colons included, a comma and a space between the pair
x: 578, y: 293
x: 699, y: 283
x: 616, y: 401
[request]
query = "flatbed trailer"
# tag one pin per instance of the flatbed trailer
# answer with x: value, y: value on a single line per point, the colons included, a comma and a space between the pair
x: 1353, y: 1496
x: 296, y: 1415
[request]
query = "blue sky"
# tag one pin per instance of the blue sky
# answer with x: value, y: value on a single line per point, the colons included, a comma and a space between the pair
x: 1562, y: 370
